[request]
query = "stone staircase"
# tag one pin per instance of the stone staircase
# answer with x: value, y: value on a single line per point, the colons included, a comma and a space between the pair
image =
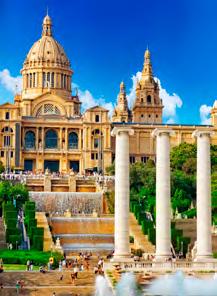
x: 140, y: 240
x: 42, y: 222
x: 189, y: 228
x: 3, y: 244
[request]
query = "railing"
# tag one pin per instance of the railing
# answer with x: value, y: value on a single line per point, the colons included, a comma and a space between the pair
x: 163, y: 266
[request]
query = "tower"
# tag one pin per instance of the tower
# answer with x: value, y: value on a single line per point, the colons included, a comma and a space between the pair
x: 148, y: 105
x: 121, y: 112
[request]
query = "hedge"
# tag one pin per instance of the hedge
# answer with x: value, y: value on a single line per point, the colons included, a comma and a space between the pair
x: 15, y: 240
x: 21, y: 256
x: 38, y: 241
x: 29, y: 206
x: 11, y: 231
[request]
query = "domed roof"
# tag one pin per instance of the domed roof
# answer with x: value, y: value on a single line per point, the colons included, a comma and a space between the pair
x: 47, y: 49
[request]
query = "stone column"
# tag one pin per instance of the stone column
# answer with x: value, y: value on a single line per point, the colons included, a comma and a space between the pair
x: 204, y: 235
x: 163, y: 203
x: 122, y: 245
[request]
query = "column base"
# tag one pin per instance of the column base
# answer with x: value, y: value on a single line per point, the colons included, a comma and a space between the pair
x: 163, y: 258
x: 121, y: 258
x: 205, y: 259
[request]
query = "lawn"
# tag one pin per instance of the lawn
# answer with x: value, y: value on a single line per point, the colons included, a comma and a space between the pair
x: 17, y: 267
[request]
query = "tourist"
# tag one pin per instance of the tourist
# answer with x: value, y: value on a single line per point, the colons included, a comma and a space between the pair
x: 54, y: 294
x: 61, y: 277
x: 28, y: 265
x: 76, y: 271
x: 18, y: 287
x: 60, y: 266
x: 73, y: 278
x: 31, y: 266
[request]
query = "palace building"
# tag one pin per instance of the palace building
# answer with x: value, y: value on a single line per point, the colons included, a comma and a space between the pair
x: 44, y: 127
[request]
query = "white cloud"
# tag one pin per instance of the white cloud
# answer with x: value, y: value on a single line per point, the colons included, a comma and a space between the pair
x: 205, y: 114
x: 10, y: 83
x: 88, y: 100
x: 170, y: 101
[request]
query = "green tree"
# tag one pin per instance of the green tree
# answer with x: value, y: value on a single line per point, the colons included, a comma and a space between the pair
x: 11, y: 192
x: 2, y: 168
x: 110, y: 170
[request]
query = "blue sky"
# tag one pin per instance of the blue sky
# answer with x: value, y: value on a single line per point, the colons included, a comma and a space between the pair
x: 105, y: 42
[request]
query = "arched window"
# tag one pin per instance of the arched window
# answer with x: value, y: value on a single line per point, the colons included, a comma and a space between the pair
x: 30, y: 140
x: 149, y: 99
x: 51, y: 139
x: 7, y: 129
x: 73, y: 140
x: 7, y: 115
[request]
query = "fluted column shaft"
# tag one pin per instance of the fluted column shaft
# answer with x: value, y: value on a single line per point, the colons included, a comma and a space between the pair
x: 204, y: 235
x: 163, y: 201
x: 122, y: 245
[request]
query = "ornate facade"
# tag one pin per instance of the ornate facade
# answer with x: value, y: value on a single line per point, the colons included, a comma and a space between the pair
x: 44, y: 127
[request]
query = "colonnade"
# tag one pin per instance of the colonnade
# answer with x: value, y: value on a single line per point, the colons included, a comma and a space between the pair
x: 163, y: 198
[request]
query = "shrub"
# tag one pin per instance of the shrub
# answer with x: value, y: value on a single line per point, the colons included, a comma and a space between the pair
x: 20, y: 257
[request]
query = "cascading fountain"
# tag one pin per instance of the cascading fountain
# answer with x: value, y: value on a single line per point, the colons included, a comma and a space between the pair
x: 75, y: 202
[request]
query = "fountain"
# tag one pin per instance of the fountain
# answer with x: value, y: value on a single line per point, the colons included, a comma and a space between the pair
x: 75, y: 202
x: 168, y: 285
x: 102, y: 287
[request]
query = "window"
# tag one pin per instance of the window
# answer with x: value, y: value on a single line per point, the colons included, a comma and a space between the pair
x: 44, y: 79
x: 96, y: 143
x: 149, y: 99
x: 51, y: 139
x: 132, y: 159
x: 149, y: 115
x: 97, y: 118
x: 33, y: 80
x: 94, y: 156
x: 30, y: 80
x: 29, y: 140
x: 142, y: 100
x: 27, y: 80
x: 2, y: 153
x: 7, y: 115
x: 52, y: 79
x: 142, y: 115
x: 144, y: 159
x: 7, y: 141
x: 12, y: 154
x: 7, y: 129
x: 73, y: 140
x: 156, y: 115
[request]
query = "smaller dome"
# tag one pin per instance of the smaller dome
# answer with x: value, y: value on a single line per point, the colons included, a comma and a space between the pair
x: 47, y: 50
x: 47, y: 20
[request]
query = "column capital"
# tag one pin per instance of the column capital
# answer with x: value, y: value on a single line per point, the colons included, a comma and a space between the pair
x: 117, y: 130
x: 158, y: 131
x: 200, y: 133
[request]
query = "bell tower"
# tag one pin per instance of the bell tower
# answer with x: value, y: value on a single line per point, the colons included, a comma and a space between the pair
x: 121, y: 112
x: 148, y: 105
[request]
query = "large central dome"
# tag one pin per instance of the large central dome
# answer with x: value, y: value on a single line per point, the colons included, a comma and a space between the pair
x: 47, y: 51
x: 46, y: 67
